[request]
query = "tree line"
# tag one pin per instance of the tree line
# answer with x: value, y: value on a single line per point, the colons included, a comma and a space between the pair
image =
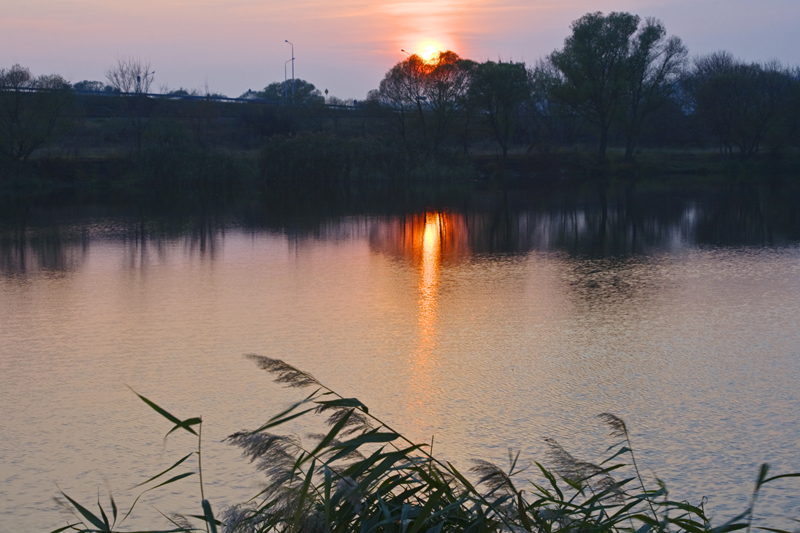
x: 617, y: 81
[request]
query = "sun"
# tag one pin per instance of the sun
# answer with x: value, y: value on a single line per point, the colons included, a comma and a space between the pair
x: 429, y: 51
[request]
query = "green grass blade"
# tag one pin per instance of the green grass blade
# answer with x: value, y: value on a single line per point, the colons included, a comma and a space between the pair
x: 209, y: 516
x: 373, y: 437
x: 180, y: 461
x: 523, y: 513
x: 327, y: 492
x: 102, y: 512
x: 172, y: 480
x: 274, y: 423
x: 69, y: 526
x: 186, y: 424
x: 303, y: 494
x: 169, y: 416
x: 87, y: 514
x: 552, y: 479
x: 426, y: 510
x: 345, y: 402
x: 773, y: 478
x: 113, y: 506
x: 327, y: 439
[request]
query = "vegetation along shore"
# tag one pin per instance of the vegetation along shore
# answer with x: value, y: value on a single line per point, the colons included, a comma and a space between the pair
x: 360, y: 474
x: 620, y: 98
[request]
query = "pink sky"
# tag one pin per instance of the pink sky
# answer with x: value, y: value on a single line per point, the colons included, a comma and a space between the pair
x: 347, y: 45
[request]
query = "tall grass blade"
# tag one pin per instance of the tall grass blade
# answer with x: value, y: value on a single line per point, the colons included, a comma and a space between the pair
x: 303, y: 494
x: 169, y: 416
x: 327, y: 439
x: 345, y: 402
x: 274, y: 423
x: 178, y: 463
x: 87, y: 514
x: 69, y: 526
x: 209, y: 516
x: 102, y: 512
x: 426, y: 510
x: 327, y: 496
x: 773, y: 478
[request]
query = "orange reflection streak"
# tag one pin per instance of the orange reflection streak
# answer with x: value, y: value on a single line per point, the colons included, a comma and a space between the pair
x: 436, y: 238
x: 428, y: 284
x: 429, y: 241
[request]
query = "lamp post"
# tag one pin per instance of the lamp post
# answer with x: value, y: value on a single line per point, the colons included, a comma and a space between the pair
x: 406, y: 53
x: 292, y: 60
x: 284, y: 79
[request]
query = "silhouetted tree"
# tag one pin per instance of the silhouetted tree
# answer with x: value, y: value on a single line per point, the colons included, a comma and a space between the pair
x: 30, y: 110
x: 304, y: 93
x: 425, y: 97
x: 740, y: 103
x: 131, y: 75
x: 594, y: 65
x: 654, y: 68
x: 401, y: 93
x: 499, y: 90
x: 93, y: 87
x: 446, y: 83
x: 133, y: 78
x: 550, y: 120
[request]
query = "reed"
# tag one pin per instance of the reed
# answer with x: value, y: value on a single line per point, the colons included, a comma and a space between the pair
x: 362, y: 475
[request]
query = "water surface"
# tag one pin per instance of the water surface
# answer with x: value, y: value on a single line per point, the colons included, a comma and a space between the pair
x: 489, y: 325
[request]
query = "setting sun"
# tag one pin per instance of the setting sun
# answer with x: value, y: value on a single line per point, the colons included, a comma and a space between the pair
x: 429, y: 51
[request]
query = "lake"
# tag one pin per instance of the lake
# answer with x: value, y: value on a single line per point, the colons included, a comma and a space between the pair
x: 489, y: 323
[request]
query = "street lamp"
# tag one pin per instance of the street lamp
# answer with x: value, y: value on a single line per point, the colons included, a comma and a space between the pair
x: 284, y: 79
x: 406, y: 53
x: 292, y: 60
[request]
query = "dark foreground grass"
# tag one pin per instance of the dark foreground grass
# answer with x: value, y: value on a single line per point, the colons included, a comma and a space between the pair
x: 361, y: 475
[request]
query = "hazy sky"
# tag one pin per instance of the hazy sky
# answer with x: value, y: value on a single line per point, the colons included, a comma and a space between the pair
x: 347, y: 45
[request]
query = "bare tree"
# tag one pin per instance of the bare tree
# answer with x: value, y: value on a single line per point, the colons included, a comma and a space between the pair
x: 131, y: 75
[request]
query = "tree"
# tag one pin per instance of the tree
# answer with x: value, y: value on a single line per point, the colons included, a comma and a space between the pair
x: 93, y: 87
x: 131, y: 75
x: 499, y: 90
x: 552, y: 120
x: 402, y: 92
x: 304, y: 93
x: 30, y: 110
x: 433, y: 91
x: 594, y: 63
x: 740, y: 103
x: 446, y: 80
x: 654, y: 68
x: 133, y: 78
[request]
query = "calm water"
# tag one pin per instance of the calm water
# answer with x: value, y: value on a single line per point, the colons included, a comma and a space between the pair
x: 489, y: 325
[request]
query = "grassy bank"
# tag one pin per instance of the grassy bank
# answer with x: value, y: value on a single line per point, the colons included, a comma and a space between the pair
x: 113, y: 146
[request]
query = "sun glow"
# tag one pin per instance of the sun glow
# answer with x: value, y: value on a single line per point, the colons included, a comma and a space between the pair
x: 429, y: 51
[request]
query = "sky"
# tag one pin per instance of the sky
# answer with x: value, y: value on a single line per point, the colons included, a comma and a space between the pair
x: 346, y: 46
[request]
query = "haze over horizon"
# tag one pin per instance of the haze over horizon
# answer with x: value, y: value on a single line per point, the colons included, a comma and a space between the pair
x: 346, y: 46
